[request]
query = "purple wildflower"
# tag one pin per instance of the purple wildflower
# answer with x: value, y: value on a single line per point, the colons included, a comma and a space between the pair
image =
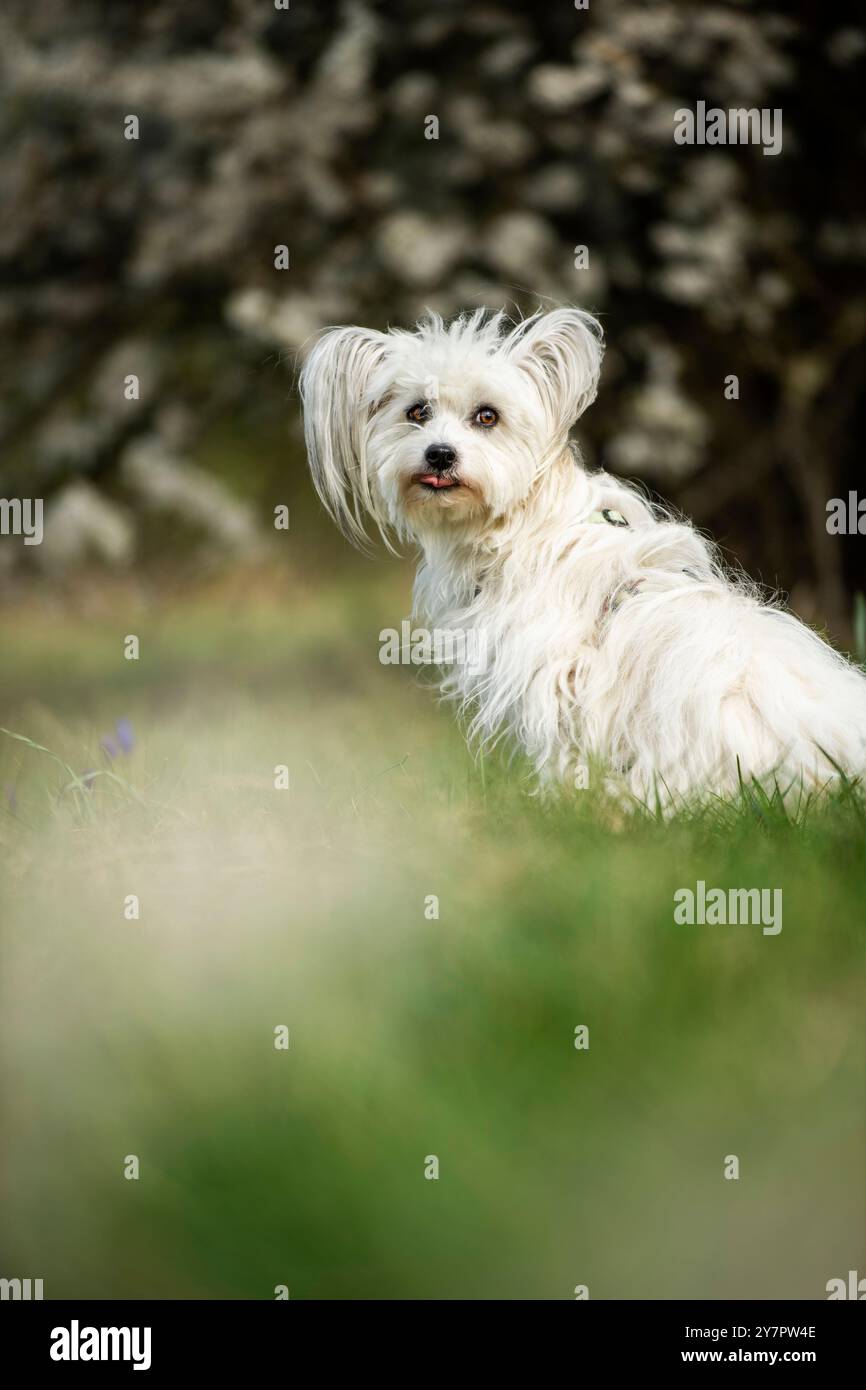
x: 125, y: 736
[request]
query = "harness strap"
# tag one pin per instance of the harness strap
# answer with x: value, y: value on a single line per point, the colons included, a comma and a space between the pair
x: 610, y: 515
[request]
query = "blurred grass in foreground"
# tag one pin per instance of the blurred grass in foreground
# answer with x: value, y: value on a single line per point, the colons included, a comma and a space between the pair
x: 409, y: 1036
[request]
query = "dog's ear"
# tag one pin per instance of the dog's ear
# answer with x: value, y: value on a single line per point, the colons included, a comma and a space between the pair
x: 561, y: 351
x: 338, y: 386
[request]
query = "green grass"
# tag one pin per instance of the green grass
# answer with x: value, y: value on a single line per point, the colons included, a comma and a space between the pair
x: 409, y: 1036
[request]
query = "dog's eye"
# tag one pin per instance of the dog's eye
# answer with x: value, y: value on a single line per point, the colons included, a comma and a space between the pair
x: 486, y: 417
x: 418, y: 413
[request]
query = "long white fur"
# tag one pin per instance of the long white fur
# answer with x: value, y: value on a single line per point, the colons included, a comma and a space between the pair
x: 625, y: 647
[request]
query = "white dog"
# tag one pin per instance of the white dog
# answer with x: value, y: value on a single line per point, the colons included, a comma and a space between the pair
x: 613, y: 635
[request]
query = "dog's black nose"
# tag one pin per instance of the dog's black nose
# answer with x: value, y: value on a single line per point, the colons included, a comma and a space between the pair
x: 440, y: 457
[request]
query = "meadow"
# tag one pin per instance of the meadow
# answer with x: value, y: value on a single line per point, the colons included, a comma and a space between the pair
x: 431, y: 934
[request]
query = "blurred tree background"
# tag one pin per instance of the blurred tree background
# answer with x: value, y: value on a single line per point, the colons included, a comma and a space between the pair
x: 305, y: 127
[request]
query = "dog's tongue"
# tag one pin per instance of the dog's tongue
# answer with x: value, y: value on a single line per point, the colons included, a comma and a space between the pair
x: 436, y: 480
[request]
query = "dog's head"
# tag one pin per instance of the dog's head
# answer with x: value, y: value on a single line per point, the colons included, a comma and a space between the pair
x: 446, y: 426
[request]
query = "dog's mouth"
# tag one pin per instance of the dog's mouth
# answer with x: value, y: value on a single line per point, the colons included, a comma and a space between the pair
x: 436, y: 482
